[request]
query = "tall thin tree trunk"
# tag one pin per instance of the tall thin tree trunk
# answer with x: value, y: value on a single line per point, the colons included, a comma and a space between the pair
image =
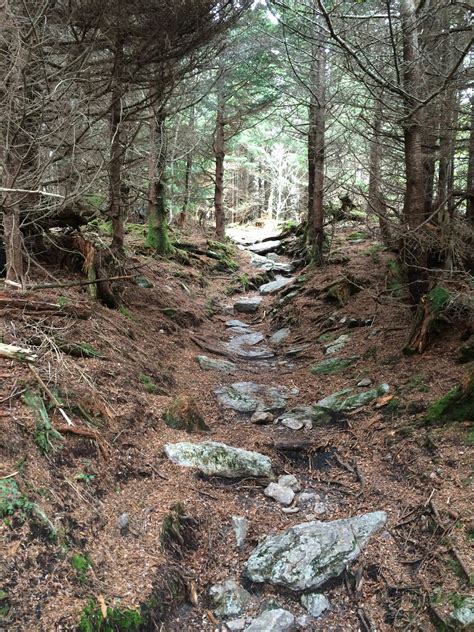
x: 316, y: 149
x: 375, y: 202
x: 219, y: 154
x: 414, y: 252
x: 470, y: 170
x: 157, y: 236
x: 117, y: 153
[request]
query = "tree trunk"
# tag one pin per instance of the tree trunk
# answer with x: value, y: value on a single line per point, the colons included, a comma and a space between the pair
x: 470, y: 170
x: 157, y: 237
x: 316, y: 150
x: 414, y: 251
x: 117, y: 151
x: 219, y: 154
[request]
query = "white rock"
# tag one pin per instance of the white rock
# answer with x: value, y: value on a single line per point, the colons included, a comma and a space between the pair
x: 241, y: 526
x: 278, y: 620
x: 315, y: 604
x: 288, y: 480
x: 283, y: 495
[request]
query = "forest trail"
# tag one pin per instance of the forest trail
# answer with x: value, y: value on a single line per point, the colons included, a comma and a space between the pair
x: 251, y: 364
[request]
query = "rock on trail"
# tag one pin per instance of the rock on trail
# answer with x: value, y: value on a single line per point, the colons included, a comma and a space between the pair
x: 219, y: 459
x: 308, y: 554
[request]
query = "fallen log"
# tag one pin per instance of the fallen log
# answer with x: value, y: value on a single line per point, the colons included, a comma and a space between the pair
x: 17, y: 353
x: 30, y: 305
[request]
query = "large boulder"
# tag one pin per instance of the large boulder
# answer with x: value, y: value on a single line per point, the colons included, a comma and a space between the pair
x: 219, y: 459
x: 247, y: 397
x: 306, y: 555
x: 265, y: 247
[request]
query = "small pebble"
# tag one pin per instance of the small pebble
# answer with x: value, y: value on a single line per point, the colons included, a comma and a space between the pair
x: 366, y: 381
x: 123, y: 523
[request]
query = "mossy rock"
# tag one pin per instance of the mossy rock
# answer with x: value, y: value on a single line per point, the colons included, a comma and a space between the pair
x: 331, y: 366
x: 456, y: 405
x: 183, y: 414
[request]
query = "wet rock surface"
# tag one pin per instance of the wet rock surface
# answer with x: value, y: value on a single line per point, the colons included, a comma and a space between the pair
x: 248, y: 397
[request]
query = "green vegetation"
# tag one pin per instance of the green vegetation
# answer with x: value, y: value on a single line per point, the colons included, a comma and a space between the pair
x: 46, y: 437
x: 81, y: 564
x: 148, y: 383
x: 357, y: 235
x: 169, y: 311
x: 118, y: 619
x: 126, y: 312
x: 456, y: 405
x: 12, y: 500
x: 439, y: 298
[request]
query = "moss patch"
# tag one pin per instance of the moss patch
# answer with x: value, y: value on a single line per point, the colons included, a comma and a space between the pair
x: 183, y: 414
x: 456, y: 405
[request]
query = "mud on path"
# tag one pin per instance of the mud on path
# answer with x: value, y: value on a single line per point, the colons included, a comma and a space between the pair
x: 377, y: 456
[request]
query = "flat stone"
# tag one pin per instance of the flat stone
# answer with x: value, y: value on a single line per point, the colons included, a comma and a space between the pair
x: 267, y: 264
x: 332, y: 366
x: 242, y: 346
x: 336, y: 345
x: 235, y: 625
x: 248, y: 305
x: 297, y: 350
x: 349, y: 398
x: 210, y: 364
x: 280, y: 335
x: 276, y: 285
x: 248, y: 397
x: 288, y: 480
x: 241, y: 526
x: 277, y: 620
x: 228, y: 599
x: 219, y: 459
x: 262, y: 418
x: 315, y: 604
x: 283, y: 495
x: 290, y: 510
x: 265, y: 247
x: 305, y: 416
x: 366, y: 381
x: 236, y: 323
x: 308, y: 554
x: 304, y: 621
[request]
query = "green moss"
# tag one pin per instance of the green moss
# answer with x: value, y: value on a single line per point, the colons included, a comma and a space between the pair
x: 118, y: 619
x: 169, y: 311
x: 46, y: 437
x: 81, y: 564
x: 126, y: 312
x: 358, y: 235
x: 148, y: 384
x: 456, y: 405
x: 439, y: 298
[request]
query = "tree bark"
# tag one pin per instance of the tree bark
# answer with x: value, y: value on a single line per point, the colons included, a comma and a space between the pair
x: 316, y: 149
x: 414, y: 252
x: 117, y: 149
x: 219, y: 154
x: 157, y: 237
x: 376, y: 202
x: 470, y: 170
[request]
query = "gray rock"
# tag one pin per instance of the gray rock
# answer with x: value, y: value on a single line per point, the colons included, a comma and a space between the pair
x: 276, y: 285
x: 265, y: 247
x: 143, y: 282
x: 219, y: 459
x: 349, y: 398
x: 308, y: 416
x: 248, y: 305
x: 283, y: 495
x: 304, y: 622
x: 273, y: 621
x: 310, y: 501
x: 280, y: 335
x: 241, y: 526
x: 334, y: 365
x: 315, y: 604
x: 242, y: 346
x: 248, y: 397
x: 366, y: 381
x: 235, y: 625
x: 288, y: 480
x: 123, y: 523
x: 210, y: 364
x: 463, y: 615
x: 262, y: 418
x: 308, y: 554
x: 336, y: 345
x: 236, y: 323
x: 228, y: 599
x: 292, y: 424
x: 269, y: 263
